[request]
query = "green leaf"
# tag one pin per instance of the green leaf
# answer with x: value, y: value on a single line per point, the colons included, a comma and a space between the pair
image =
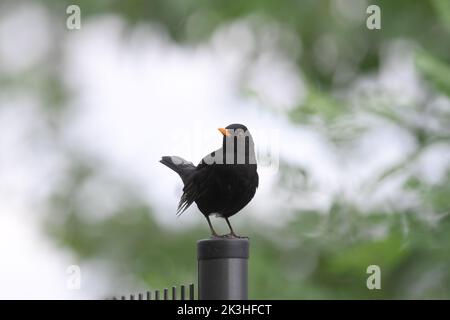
x: 318, y: 104
x: 354, y: 260
x: 436, y: 71
x: 442, y: 8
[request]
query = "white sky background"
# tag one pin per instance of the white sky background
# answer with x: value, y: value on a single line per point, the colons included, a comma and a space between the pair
x: 142, y: 97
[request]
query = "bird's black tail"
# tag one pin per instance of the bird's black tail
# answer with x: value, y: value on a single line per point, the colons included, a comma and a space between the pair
x: 179, y: 165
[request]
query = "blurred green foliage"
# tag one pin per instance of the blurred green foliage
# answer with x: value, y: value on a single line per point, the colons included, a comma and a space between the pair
x: 316, y: 254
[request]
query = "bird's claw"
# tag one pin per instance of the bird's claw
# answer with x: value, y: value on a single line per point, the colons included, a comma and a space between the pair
x: 241, y: 237
x: 228, y: 236
x: 217, y: 236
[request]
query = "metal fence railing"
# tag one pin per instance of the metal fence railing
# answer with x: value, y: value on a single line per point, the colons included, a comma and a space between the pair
x: 175, y: 293
x: 222, y: 274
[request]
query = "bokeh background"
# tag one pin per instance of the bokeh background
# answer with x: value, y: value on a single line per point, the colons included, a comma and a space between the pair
x: 352, y: 127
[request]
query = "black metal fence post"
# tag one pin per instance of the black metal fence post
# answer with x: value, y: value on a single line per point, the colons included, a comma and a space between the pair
x: 223, y: 269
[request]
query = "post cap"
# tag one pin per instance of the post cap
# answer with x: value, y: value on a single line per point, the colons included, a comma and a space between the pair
x: 217, y: 248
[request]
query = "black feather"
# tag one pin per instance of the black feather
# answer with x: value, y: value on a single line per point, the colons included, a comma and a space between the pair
x: 218, y: 188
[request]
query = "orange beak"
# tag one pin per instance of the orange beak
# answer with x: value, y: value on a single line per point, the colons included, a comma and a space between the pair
x: 224, y: 131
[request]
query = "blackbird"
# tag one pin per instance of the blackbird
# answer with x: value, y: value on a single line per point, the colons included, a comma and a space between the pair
x: 224, y: 181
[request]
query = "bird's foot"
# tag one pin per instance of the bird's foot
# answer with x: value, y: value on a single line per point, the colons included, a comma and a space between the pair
x: 228, y: 236
x: 217, y: 236
x: 233, y: 235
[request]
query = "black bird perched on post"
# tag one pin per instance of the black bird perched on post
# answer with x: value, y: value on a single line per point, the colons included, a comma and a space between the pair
x: 224, y: 181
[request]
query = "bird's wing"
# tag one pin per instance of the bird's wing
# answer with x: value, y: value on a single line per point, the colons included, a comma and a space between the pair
x: 194, y: 187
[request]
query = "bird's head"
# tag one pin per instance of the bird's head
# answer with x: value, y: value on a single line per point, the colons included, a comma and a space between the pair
x: 234, y: 130
x: 237, y: 139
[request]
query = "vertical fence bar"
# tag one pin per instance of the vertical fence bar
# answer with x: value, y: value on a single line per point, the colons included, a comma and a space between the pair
x: 166, y: 294
x: 149, y: 295
x: 223, y: 269
x: 174, y: 293
x: 157, y: 295
x: 191, y: 292
x: 183, y: 292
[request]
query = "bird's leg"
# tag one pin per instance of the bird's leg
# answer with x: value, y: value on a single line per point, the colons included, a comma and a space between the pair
x: 232, y: 234
x: 213, y: 232
x: 231, y: 228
